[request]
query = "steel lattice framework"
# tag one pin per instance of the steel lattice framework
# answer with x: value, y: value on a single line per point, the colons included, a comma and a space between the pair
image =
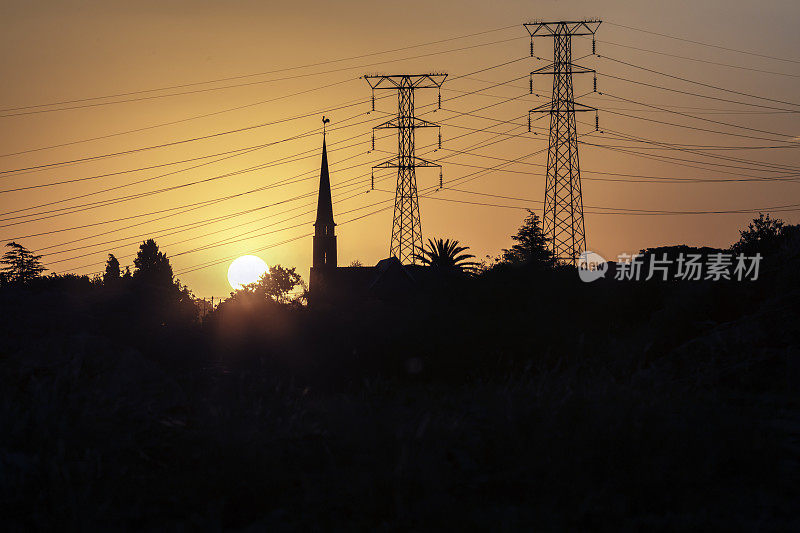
x: 563, y: 201
x: 406, y: 242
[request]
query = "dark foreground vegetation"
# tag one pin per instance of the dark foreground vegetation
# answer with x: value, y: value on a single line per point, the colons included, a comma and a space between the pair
x: 519, y: 398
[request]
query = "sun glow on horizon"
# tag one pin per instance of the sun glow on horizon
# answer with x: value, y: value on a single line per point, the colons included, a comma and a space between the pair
x: 246, y: 269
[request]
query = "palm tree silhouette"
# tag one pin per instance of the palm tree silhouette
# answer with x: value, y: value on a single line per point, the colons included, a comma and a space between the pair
x: 447, y: 255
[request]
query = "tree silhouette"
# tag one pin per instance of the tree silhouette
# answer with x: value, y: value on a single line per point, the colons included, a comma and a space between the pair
x: 151, y: 267
x: 276, y: 285
x: 20, y: 264
x: 281, y: 283
x: 159, y: 298
x: 762, y: 235
x: 531, y: 248
x: 113, y: 273
x: 447, y: 255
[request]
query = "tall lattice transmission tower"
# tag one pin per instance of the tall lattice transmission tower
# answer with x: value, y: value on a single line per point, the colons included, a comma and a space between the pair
x: 406, y: 241
x: 563, y: 201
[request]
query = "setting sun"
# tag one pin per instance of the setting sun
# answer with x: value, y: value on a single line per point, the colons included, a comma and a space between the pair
x: 246, y: 269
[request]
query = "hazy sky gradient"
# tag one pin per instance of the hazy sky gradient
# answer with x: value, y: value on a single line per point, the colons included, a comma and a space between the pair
x: 52, y: 52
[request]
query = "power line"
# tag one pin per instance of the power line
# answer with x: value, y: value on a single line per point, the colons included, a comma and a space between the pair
x: 778, y: 167
x: 210, y: 89
x: 628, y: 211
x: 128, y: 171
x: 699, y: 95
x: 104, y: 203
x: 753, y: 165
x: 93, y: 205
x: 645, y: 179
x: 712, y: 121
x: 5, y: 173
x: 180, y: 121
x: 294, y: 179
x: 8, y: 173
x: 228, y: 241
x: 702, y: 84
x: 705, y: 147
x: 195, y: 204
x: 225, y: 259
x: 782, y: 167
x: 698, y: 60
x: 238, y: 240
x: 787, y: 60
x: 194, y: 225
x: 280, y: 161
x: 677, y: 147
x: 695, y: 128
x: 201, y: 181
x: 231, y: 78
x: 673, y: 160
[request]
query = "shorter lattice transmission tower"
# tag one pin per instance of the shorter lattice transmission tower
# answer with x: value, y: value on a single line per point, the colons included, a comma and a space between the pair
x: 563, y: 201
x: 406, y: 242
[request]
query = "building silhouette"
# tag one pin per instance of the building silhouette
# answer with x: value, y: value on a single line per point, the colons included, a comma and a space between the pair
x: 324, y: 227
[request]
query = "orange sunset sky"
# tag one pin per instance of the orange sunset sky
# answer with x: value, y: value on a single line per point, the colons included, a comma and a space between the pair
x: 199, y: 124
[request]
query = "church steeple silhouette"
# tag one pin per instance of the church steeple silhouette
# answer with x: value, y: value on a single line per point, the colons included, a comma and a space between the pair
x: 324, y: 254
